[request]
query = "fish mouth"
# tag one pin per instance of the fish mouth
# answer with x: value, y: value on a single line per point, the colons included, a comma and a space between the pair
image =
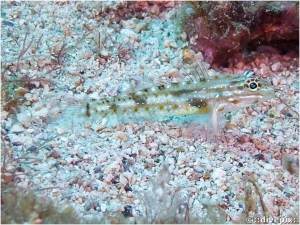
x: 245, y: 101
x: 248, y: 101
x: 255, y: 99
x: 267, y: 90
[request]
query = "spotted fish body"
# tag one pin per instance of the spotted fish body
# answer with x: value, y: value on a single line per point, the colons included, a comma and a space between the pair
x: 206, y: 95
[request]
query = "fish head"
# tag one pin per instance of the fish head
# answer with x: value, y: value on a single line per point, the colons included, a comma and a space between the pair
x: 253, y: 91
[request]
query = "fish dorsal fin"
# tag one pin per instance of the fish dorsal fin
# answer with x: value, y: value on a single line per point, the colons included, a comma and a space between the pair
x: 196, y: 71
x: 139, y: 83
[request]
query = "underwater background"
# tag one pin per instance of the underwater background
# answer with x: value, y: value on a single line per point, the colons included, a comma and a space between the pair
x: 59, y: 167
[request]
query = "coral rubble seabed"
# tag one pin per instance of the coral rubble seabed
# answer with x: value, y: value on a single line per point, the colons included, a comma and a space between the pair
x: 54, y: 54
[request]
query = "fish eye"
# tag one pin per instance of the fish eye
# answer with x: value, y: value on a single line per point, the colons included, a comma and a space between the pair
x: 253, y: 84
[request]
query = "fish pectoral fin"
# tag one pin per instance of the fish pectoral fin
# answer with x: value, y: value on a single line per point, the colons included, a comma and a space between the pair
x: 218, y: 108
